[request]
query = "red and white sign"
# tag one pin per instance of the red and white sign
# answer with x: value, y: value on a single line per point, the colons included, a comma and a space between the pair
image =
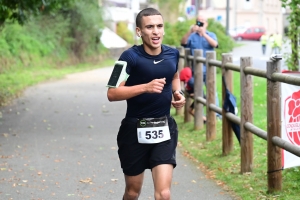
x: 290, y: 117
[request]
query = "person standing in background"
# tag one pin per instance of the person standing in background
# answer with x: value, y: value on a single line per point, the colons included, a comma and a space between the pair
x: 273, y: 44
x: 185, y: 38
x: 278, y: 41
x: 204, y: 40
x: 264, y: 41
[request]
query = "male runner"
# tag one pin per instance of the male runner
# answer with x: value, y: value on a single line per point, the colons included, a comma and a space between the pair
x: 147, y: 136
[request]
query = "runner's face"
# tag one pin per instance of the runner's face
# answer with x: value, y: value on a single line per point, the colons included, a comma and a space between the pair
x: 152, y: 31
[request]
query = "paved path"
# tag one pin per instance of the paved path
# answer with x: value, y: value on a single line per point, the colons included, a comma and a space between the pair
x: 253, y: 49
x: 58, y: 141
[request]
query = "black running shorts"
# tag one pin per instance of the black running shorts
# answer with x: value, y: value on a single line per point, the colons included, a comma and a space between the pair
x: 136, y: 157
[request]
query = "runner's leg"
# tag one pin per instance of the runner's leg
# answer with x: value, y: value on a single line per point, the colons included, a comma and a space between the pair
x: 133, y: 186
x: 162, y: 178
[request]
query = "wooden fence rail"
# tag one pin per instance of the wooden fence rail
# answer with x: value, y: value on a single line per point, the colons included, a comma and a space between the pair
x: 247, y: 128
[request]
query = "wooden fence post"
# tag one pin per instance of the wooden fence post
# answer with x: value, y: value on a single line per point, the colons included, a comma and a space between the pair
x: 210, y: 97
x: 227, y: 136
x: 187, y: 52
x: 187, y: 115
x: 274, y: 128
x: 246, y: 116
x: 180, y: 111
x: 198, y: 90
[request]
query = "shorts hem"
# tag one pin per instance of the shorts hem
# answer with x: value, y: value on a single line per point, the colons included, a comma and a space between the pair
x: 162, y: 163
x: 132, y: 173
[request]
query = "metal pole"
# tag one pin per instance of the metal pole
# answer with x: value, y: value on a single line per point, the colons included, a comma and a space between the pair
x: 261, y: 13
x: 235, y: 13
x: 227, y: 17
x: 197, y: 7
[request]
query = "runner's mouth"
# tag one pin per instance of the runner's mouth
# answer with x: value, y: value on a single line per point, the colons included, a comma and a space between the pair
x: 156, y: 39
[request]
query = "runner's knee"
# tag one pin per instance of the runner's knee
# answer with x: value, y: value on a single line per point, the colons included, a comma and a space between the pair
x: 163, y: 195
x: 131, y: 195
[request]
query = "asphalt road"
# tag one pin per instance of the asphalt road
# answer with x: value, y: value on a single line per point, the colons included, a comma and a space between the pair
x: 253, y: 49
x: 58, y: 141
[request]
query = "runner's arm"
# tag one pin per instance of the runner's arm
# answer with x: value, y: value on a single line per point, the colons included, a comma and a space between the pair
x: 179, y: 99
x: 126, y: 92
x: 176, y: 82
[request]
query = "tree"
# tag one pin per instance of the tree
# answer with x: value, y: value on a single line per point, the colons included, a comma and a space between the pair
x: 293, y: 32
x: 169, y: 9
x: 68, y: 32
x: 20, y: 10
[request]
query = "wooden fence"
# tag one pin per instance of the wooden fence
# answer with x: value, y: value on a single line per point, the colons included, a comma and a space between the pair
x: 247, y: 128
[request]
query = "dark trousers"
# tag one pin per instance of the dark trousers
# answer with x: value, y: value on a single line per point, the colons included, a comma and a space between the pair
x: 264, y: 47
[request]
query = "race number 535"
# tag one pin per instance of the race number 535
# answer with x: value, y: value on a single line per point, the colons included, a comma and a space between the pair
x: 152, y: 135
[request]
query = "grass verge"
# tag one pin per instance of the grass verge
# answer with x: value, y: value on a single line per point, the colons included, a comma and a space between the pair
x: 13, y: 82
x: 226, y: 169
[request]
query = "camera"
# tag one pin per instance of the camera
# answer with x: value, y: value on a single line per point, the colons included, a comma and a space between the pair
x: 200, y: 24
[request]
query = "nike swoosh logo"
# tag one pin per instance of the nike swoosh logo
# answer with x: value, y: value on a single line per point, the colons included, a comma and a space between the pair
x: 155, y: 62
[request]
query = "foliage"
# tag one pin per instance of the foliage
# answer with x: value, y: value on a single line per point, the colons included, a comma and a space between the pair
x: 174, y: 33
x: 17, y: 46
x: 169, y: 9
x: 69, y: 34
x: 124, y: 32
x: 52, y: 34
x: 293, y: 33
x: 85, y: 22
x: 57, y: 39
x: 20, y: 10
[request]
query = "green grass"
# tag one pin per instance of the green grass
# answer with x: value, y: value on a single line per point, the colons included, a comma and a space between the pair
x: 226, y: 169
x: 14, y: 81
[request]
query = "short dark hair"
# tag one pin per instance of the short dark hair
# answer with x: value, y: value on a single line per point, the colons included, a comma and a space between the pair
x: 145, y: 12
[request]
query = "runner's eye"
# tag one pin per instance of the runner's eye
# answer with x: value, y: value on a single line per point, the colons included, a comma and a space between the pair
x: 149, y: 26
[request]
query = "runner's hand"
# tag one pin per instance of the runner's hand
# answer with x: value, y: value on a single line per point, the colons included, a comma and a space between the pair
x: 179, y: 100
x: 156, y: 85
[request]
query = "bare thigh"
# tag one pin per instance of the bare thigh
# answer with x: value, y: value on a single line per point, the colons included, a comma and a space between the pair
x: 162, y: 177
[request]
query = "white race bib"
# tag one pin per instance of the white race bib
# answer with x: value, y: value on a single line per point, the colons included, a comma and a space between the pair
x: 153, y: 130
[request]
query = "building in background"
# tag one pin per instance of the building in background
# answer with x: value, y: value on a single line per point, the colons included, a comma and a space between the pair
x: 121, y: 10
x: 243, y: 13
x: 117, y: 11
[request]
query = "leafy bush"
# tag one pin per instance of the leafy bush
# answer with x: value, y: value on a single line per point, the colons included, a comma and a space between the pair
x: 174, y: 33
x: 85, y: 22
x: 70, y: 34
x: 57, y: 39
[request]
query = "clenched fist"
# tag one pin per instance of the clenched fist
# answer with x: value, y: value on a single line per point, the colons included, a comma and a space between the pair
x: 156, y: 85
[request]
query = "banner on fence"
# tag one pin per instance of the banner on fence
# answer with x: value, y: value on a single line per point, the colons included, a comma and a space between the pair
x: 290, y: 118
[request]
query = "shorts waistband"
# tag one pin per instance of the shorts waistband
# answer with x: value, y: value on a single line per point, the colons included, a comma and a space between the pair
x: 133, y: 119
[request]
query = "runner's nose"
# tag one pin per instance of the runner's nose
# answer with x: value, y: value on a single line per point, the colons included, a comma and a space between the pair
x: 157, y: 30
